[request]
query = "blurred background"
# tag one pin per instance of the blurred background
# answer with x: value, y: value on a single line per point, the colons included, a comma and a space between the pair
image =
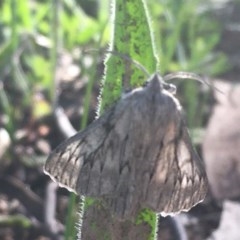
x: 52, y: 53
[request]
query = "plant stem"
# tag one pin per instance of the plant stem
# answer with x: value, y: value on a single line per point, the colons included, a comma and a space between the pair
x: 132, y: 37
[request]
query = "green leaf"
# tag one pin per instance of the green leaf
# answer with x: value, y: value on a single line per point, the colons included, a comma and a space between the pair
x: 133, y: 38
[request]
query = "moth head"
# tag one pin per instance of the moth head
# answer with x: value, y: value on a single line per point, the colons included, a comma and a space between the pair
x: 156, y: 84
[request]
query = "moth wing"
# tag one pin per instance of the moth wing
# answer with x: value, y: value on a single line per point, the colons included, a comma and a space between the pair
x: 179, y: 181
x: 65, y: 163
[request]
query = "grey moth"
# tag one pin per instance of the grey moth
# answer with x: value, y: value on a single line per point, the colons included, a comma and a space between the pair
x: 138, y: 154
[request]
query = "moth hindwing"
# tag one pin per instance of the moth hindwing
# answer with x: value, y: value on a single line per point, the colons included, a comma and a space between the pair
x: 137, y: 154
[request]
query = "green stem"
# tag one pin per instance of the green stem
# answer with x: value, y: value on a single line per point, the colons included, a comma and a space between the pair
x: 56, y: 37
x: 70, y: 231
x: 132, y: 37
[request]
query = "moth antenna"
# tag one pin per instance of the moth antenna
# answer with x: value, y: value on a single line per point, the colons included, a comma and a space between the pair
x: 125, y: 57
x: 189, y: 75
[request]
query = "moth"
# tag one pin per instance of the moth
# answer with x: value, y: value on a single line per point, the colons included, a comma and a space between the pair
x: 138, y: 154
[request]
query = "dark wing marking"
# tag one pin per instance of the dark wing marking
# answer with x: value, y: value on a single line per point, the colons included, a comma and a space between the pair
x: 69, y: 158
x: 179, y: 181
x: 88, y: 163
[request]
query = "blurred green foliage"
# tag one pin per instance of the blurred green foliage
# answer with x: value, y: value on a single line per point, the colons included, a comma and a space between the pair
x: 185, y: 31
x: 34, y: 34
x: 187, y: 34
x: 29, y: 34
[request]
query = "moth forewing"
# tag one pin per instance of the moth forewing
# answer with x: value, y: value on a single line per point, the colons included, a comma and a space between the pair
x: 137, y: 154
x: 65, y: 163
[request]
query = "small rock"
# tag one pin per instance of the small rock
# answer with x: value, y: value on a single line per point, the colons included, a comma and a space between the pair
x: 229, y: 224
x: 5, y: 141
x: 221, y: 146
